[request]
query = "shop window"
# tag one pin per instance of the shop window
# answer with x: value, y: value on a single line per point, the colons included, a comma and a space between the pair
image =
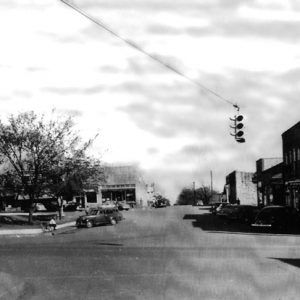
x: 91, y: 197
x: 286, y: 159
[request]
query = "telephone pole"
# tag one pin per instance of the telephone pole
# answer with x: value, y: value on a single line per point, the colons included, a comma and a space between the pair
x: 194, y: 194
x: 211, y: 181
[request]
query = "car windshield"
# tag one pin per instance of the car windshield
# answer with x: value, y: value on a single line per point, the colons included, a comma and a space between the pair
x: 94, y: 212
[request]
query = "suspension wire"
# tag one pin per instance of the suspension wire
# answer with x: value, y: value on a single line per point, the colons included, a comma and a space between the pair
x: 153, y: 57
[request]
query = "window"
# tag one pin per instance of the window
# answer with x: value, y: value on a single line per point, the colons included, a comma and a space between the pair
x: 91, y: 197
x: 286, y: 158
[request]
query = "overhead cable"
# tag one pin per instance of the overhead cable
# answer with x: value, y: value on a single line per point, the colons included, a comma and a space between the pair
x: 153, y: 57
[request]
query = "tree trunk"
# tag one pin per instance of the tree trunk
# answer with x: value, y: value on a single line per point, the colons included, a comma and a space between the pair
x: 30, y: 215
x: 61, y: 208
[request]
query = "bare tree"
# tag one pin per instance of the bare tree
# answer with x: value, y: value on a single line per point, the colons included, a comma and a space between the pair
x: 189, y: 197
x: 40, y: 156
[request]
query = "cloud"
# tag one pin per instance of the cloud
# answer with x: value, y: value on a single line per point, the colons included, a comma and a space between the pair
x: 169, y: 5
x: 74, y: 90
x: 196, y: 150
x: 71, y: 112
x: 5, y: 98
x: 22, y: 94
x: 109, y: 69
x: 152, y: 150
x: 163, y: 30
x: 279, y: 30
x: 35, y: 69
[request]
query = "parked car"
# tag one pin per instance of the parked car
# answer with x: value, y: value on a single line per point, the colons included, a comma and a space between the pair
x: 159, y: 204
x: 99, y: 216
x: 40, y: 207
x: 217, y: 206
x: 109, y: 204
x: 278, y: 219
x: 214, y: 206
x: 225, y: 210
x: 123, y: 206
x: 243, y: 213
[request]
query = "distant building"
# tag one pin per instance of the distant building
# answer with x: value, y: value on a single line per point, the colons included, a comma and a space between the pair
x: 291, y: 165
x: 268, y: 177
x: 122, y: 183
x: 240, y: 188
x: 216, y: 198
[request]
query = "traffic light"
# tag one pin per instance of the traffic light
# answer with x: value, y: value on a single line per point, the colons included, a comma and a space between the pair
x: 237, y: 126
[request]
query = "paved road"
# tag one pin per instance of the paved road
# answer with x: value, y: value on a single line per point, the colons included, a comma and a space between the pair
x: 168, y: 253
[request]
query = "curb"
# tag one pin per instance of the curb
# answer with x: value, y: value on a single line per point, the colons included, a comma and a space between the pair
x: 32, y: 231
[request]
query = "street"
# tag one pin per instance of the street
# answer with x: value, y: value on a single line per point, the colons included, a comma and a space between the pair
x: 179, y: 252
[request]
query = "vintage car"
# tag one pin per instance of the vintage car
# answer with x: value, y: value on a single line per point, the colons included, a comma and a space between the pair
x: 225, y: 210
x: 214, y: 207
x: 278, y: 219
x: 99, y: 216
x: 243, y: 213
x: 123, y: 206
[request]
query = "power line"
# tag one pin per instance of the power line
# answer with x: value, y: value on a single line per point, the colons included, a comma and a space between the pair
x: 153, y: 57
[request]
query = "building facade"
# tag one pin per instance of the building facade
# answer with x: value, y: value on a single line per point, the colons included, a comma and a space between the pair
x: 269, y: 180
x: 291, y: 165
x: 240, y: 188
x: 121, y: 184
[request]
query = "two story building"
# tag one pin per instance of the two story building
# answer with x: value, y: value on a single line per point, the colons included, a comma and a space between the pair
x: 269, y: 181
x: 240, y: 188
x: 291, y: 165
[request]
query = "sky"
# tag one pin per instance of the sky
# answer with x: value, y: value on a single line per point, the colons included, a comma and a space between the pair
x: 246, y: 51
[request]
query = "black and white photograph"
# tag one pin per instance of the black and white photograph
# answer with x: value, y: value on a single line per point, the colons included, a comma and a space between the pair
x: 150, y: 149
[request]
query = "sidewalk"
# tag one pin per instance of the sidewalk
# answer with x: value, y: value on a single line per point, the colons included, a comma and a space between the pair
x: 32, y: 231
x: 68, y: 220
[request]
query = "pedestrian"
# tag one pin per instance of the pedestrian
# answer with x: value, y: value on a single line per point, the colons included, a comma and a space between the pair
x: 52, y: 224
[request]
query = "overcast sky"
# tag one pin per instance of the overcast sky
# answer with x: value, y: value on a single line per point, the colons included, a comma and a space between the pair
x: 247, y: 51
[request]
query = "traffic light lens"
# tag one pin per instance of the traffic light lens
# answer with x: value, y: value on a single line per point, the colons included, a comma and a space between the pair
x: 240, y: 140
x: 239, y: 118
x: 239, y: 126
x: 239, y: 133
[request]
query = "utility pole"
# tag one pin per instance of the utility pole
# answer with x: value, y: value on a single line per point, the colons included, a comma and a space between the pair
x: 211, y: 185
x: 194, y: 194
x: 211, y: 181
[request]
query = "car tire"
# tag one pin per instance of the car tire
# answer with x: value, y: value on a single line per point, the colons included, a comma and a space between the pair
x: 113, y: 221
x: 89, y: 224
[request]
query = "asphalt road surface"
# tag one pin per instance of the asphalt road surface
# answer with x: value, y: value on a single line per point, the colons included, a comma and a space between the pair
x: 167, y: 253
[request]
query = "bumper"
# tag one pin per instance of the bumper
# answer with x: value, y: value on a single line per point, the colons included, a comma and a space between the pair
x: 261, y: 225
x: 81, y: 223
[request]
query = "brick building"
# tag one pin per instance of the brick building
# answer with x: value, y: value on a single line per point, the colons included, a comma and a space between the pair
x: 291, y: 165
x: 122, y: 183
x: 268, y: 177
x: 240, y: 188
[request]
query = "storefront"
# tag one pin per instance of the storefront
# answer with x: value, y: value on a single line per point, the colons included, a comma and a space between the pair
x: 293, y: 193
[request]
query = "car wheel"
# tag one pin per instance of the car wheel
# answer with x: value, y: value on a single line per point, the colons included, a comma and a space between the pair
x: 113, y: 221
x: 89, y: 224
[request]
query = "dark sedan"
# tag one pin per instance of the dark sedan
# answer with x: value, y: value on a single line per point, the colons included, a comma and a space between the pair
x: 226, y: 210
x: 278, y: 219
x: 243, y: 213
x: 99, y: 216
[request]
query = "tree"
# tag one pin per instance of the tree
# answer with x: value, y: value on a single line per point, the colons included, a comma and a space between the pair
x: 161, y: 200
x: 188, y: 196
x: 42, y: 157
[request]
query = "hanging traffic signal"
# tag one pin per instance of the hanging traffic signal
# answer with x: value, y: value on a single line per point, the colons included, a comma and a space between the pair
x: 237, y: 126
